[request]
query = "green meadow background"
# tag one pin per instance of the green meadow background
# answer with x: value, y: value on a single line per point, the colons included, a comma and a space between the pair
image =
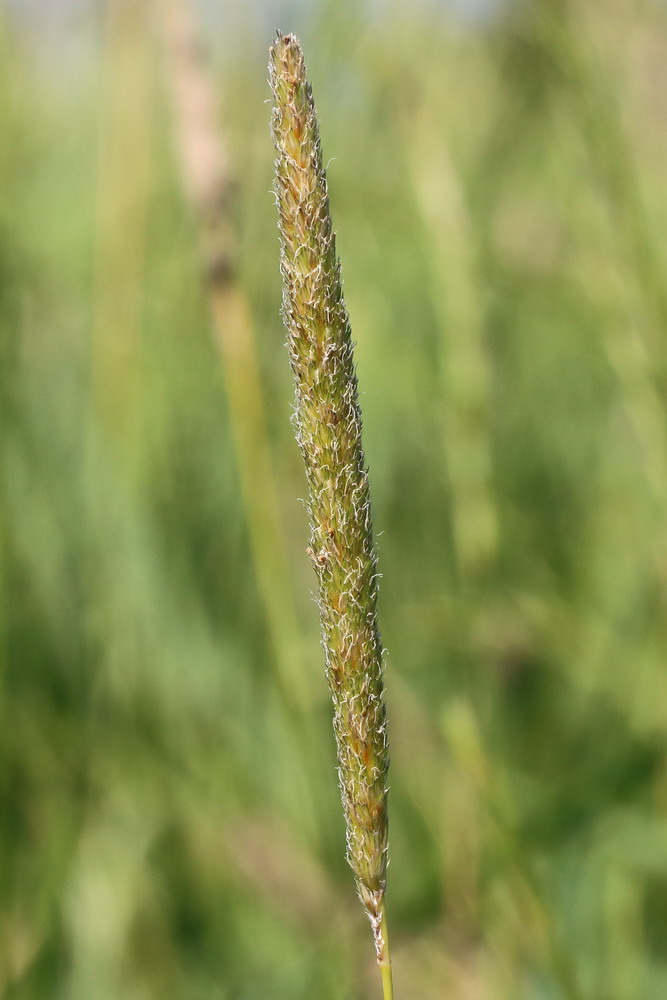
x: 170, y: 825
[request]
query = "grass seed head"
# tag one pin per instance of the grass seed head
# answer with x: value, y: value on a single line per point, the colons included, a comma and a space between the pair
x: 328, y: 426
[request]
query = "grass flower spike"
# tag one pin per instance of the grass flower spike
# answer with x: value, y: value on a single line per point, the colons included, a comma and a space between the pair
x: 328, y: 425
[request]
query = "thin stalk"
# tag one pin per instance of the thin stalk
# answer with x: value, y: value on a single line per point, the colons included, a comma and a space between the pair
x: 596, y: 100
x: 464, y: 370
x: 208, y: 182
x: 385, y: 961
x: 113, y: 438
x: 489, y: 783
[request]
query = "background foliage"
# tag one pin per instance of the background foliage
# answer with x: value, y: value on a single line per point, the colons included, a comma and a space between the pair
x: 169, y: 816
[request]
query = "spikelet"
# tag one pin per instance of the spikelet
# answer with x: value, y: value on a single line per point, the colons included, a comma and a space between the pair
x: 328, y: 426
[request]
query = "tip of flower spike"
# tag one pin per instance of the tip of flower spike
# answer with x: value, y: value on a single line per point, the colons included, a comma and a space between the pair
x: 285, y: 54
x: 286, y: 40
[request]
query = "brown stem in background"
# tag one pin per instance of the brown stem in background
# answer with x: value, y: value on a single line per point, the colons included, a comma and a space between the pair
x: 208, y: 185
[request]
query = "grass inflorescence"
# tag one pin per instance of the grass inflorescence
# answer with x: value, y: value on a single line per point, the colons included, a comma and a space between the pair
x: 328, y: 427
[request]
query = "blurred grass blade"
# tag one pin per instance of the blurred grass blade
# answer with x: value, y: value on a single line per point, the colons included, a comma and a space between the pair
x: 458, y: 300
x: 206, y: 171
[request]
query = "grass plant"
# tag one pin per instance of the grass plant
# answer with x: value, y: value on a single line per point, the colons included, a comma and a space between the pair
x: 497, y: 188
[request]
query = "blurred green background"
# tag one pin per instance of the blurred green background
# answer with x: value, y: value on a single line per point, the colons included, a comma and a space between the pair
x: 169, y: 816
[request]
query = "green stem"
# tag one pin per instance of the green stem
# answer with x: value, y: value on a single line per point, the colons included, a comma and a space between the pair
x: 384, y: 960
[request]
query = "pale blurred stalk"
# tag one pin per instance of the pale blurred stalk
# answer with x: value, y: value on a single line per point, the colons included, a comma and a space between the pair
x: 598, y: 102
x: 464, y: 366
x: 113, y: 456
x: 123, y: 190
x: 630, y: 280
x: 5, y: 358
x: 489, y: 782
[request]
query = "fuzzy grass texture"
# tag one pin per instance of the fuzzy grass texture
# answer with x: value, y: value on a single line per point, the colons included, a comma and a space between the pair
x: 328, y: 427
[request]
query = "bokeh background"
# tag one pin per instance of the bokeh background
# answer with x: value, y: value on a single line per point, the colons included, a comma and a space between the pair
x: 169, y: 816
